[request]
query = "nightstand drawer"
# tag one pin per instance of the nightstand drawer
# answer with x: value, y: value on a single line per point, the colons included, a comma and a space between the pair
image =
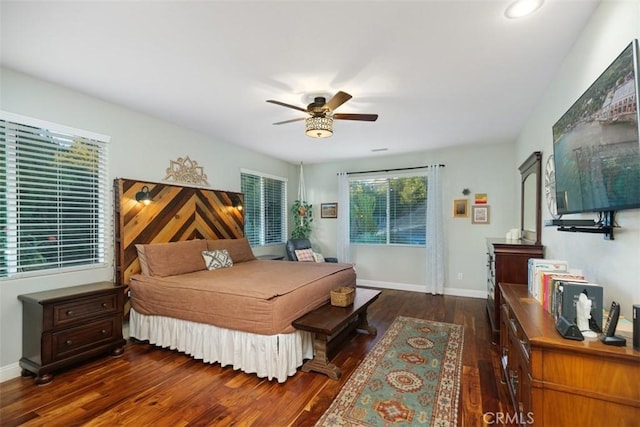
x: 79, y: 339
x: 68, y: 313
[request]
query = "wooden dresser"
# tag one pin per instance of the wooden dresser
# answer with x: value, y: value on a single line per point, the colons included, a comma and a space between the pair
x: 62, y: 327
x: 554, y: 381
x: 507, y: 262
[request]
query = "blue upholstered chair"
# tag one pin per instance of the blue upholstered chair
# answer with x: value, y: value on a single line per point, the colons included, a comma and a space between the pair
x: 296, y: 244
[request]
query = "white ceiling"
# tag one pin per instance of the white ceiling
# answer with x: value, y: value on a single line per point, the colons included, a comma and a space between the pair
x: 438, y: 73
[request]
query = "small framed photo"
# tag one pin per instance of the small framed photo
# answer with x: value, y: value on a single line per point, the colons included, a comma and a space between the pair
x: 461, y: 208
x: 328, y: 210
x: 480, y: 199
x: 480, y: 214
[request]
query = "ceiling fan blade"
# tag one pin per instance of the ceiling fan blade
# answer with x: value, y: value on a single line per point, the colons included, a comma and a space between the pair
x: 363, y: 117
x: 287, y: 105
x: 337, y: 100
x: 290, y: 121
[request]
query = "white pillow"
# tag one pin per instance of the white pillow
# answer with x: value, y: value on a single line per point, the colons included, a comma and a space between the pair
x: 217, y: 259
x: 317, y: 256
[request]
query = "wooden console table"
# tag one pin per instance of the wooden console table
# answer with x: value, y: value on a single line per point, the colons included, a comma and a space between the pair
x: 329, y: 320
x: 554, y: 381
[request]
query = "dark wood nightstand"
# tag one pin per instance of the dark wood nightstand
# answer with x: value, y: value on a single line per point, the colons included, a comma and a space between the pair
x: 62, y: 327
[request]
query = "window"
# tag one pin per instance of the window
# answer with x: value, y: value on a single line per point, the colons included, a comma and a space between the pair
x: 53, y: 203
x: 388, y: 210
x: 265, y: 208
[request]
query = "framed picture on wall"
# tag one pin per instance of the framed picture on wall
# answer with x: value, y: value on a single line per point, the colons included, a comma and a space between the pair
x: 480, y: 199
x: 461, y: 208
x: 328, y: 210
x: 480, y: 214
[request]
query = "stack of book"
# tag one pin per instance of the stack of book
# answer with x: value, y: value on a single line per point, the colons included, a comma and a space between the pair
x: 552, y: 282
x: 536, y: 267
x: 557, y: 289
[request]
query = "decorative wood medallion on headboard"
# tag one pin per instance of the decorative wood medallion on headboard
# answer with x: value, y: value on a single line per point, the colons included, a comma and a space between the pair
x: 176, y: 213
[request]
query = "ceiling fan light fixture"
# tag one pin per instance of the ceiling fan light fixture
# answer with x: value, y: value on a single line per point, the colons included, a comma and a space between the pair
x: 319, y: 127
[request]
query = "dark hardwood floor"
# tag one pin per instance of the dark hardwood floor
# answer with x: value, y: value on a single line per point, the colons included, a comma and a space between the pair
x: 153, y: 386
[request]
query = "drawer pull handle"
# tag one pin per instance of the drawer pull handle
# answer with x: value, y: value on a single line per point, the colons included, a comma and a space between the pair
x: 104, y: 332
x: 104, y: 305
x: 513, y: 377
x: 69, y: 342
x: 69, y: 312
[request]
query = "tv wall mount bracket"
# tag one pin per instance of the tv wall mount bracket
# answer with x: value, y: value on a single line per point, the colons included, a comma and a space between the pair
x: 604, y: 226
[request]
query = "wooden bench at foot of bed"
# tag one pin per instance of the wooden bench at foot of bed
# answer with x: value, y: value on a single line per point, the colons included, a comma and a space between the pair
x: 327, y: 321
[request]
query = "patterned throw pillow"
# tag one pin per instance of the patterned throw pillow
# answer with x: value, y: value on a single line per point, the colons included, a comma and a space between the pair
x: 305, y: 255
x: 217, y: 259
x: 318, y: 257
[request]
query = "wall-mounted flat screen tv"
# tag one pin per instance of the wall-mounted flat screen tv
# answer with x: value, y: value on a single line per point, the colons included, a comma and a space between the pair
x: 596, y: 146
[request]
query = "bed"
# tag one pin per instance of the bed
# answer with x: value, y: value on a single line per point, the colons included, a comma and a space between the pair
x: 236, y: 312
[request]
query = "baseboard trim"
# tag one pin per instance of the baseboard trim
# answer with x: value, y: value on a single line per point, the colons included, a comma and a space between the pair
x: 457, y: 292
x: 10, y: 371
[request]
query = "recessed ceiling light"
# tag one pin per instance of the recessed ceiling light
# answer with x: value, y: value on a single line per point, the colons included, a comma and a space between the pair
x: 520, y: 8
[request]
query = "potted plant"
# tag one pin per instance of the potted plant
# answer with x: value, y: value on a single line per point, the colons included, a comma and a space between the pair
x: 302, y: 219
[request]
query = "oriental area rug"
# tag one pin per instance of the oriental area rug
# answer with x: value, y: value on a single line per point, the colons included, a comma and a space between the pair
x: 411, y: 377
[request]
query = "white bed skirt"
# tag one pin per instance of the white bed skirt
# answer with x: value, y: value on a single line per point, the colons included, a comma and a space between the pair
x: 270, y: 356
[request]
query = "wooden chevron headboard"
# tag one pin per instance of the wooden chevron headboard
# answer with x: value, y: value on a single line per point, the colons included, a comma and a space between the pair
x: 176, y: 213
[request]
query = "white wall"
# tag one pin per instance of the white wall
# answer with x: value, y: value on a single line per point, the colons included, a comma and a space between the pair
x: 141, y: 148
x: 487, y: 169
x: 613, y: 264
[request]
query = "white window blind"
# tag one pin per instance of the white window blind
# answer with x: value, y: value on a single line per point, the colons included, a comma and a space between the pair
x: 388, y: 210
x: 53, y: 206
x: 265, y: 208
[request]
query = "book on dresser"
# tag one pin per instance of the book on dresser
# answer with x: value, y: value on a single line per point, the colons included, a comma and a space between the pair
x: 535, y: 268
x: 567, y: 294
x: 551, y: 280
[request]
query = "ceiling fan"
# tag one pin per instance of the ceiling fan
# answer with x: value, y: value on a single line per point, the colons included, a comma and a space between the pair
x: 319, y: 124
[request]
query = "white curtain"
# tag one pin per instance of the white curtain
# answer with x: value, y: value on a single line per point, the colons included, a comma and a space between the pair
x: 435, y: 231
x: 301, y: 190
x: 344, y: 244
x: 302, y: 197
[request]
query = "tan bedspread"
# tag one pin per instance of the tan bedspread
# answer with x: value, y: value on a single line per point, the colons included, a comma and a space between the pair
x: 260, y: 296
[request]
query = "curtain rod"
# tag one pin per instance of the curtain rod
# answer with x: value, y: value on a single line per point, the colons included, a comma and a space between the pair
x: 397, y: 169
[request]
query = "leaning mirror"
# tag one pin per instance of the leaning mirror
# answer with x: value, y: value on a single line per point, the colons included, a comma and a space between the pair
x: 530, y: 212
